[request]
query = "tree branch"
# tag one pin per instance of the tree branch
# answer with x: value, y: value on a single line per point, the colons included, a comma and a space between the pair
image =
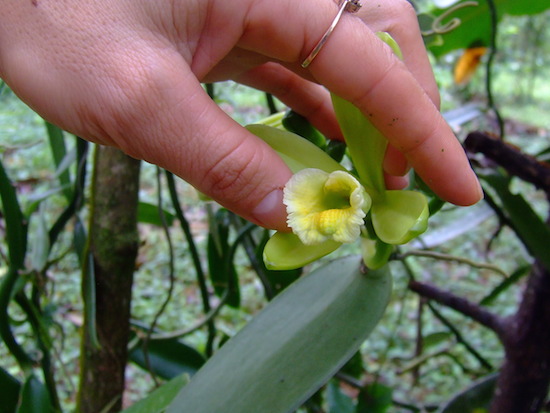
x: 511, y: 158
x: 463, y: 306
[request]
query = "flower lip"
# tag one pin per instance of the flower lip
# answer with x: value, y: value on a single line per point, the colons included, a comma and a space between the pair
x: 325, y: 206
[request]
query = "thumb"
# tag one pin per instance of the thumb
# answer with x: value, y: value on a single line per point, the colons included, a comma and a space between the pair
x: 193, y: 138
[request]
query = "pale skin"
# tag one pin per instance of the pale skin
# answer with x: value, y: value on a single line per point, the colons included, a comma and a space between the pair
x: 128, y: 73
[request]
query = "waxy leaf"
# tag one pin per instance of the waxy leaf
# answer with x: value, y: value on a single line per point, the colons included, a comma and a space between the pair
x: 293, y: 346
x: 160, y: 398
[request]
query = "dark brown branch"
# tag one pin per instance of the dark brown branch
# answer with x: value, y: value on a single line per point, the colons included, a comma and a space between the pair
x: 463, y: 306
x: 525, y: 375
x: 510, y: 158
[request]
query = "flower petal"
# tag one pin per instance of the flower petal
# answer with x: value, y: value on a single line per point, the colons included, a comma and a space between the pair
x: 285, y: 251
x: 400, y: 216
x: 324, y: 206
x: 298, y: 153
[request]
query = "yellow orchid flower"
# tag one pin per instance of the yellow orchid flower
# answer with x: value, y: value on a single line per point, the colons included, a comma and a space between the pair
x: 323, y: 206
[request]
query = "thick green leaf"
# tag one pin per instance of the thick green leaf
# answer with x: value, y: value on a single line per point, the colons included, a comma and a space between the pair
x: 473, y: 399
x: 475, y: 22
x: 292, y: 347
x: 160, y: 398
x: 297, y: 152
x: 168, y: 358
x: 400, y: 216
x: 285, y: 251
x: 35, y: 397
x: 9, y: 395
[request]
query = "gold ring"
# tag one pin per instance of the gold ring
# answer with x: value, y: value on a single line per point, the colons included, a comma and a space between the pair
x: 351, y: 6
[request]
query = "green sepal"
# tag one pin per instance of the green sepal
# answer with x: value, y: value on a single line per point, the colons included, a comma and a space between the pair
x: 375, y: 252
x: 285, y: 251
x: 390, y: 41
x: 400, y: 216
x: 366, y: 145
x: 297, y: 152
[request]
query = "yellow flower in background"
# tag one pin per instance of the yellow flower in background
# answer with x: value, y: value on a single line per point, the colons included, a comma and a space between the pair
x: 325, y: 206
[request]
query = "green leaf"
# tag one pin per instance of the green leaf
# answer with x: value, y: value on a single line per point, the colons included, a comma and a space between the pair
x: 367, y: 146
x: 336, y: 150
x: 474, y: 399
x: 59, y: 152
x: 89, y: 296
x: 35, y: 397
x: 292, y: 347
x: 160, y: 398
x: 149, y: 214
x: 16, y: 227
x: 375, y: 398
x: 40, y: 249
x: 168, y: 358
x: 296, y: 152
x: 436, y: 338
x: 337, y: 401
x: 285, y: 251
x: 507, y: 283
x: 400, y: 216
x: 296, y: 123
x: 527, y: 224
x: 475, y: 22
x: 220, y: 264
x: 9, y: 395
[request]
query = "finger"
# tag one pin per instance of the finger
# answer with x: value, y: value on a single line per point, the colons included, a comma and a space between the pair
x: 307, y: 98
x: 399, y: 19
x: 395, y: 182
x: 357, y: 66
x: 394, y: 162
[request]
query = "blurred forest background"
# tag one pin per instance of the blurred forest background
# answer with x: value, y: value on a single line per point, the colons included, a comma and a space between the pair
x: 421, y: 354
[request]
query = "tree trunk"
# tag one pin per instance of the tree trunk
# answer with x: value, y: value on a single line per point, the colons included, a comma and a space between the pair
x: 113, y: 248
x: 525, y: 375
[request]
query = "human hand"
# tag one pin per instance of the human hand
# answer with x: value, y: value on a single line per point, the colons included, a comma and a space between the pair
x: 128, y: 73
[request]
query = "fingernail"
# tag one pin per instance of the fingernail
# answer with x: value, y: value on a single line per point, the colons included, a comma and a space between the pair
x: 480, y: 194
x: 271, y: 212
